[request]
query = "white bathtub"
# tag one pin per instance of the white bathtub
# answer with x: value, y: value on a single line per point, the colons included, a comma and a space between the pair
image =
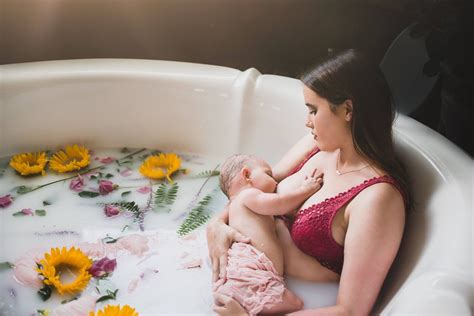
x: 219, y: 111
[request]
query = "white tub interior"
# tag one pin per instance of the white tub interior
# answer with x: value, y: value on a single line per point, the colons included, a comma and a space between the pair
x: 218, y: 111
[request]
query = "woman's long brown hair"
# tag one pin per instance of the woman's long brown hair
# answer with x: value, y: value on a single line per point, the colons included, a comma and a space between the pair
x: 350, y: 76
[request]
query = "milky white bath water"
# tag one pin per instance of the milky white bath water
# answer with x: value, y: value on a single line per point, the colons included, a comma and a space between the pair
x: 157, y: 272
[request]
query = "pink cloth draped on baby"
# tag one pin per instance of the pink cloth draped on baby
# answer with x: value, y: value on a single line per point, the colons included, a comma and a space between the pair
x: 251, y: 279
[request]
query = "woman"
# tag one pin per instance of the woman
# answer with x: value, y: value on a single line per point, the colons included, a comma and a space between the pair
x: 351, y: 229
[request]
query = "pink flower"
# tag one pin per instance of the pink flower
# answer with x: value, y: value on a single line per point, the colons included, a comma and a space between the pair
x: 111, y: 210
x: 144, y: 190
x: 107, y: 159
x: 77, y: 183
x: 106, y: 186
x: 102, y: 267
x: 5, y: 200
x: 27, y: 211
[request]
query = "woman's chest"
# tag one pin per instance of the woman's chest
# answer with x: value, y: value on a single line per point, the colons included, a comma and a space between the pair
x: 333, y: 184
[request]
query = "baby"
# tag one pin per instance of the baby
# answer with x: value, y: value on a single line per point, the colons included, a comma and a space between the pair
x: 254, y: 274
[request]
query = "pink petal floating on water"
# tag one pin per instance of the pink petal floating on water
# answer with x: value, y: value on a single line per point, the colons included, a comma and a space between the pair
x: 107, y: 159
x: 191, y: 236
x: 184, y: 255
x: 195, y: 263
x: 135, y: 244
x: 77, y: 183
x: 133, y: 285
x: 27, y: 211
x: 96, y: 249
x: 126, y: 173
x: 80, y: 307
x: 5, y: 201
x: 144, y: 190
x: 24, y: 270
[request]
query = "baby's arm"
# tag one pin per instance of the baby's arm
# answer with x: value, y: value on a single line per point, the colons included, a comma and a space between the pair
x: 281, y: 203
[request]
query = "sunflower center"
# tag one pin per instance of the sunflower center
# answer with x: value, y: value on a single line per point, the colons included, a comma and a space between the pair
x: 163, y: 169
x: 66, y: 273
x: 32, y: 162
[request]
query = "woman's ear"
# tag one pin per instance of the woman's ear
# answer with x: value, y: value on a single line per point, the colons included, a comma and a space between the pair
x: 348, y: 110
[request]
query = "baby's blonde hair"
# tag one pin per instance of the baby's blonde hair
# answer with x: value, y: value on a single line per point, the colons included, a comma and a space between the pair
x: 231, y: 168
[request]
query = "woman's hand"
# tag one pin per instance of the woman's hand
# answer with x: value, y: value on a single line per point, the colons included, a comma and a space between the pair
x: 220, y: 236
x: 226, y: 305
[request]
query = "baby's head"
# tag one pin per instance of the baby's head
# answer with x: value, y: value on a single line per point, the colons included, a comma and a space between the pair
x: 239, y: 171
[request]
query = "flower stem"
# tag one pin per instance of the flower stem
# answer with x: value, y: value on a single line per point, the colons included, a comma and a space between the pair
x: 83, y: 172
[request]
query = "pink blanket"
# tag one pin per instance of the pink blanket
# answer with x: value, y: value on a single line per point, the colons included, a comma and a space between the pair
x: 251, y: 279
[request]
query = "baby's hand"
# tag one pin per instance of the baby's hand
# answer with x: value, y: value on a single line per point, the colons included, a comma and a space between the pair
x: 313, y: 182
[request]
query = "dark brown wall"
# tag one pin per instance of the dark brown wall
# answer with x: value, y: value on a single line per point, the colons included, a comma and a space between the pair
x: 274, y: 36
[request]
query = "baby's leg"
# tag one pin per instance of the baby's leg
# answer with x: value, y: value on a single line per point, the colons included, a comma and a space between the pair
x: 290, y: 303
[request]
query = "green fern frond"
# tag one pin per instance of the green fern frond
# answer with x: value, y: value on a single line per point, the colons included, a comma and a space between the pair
x: 207, y: 174
x: 197, y: 217
x: 166, y: 194
x: 129, y: 206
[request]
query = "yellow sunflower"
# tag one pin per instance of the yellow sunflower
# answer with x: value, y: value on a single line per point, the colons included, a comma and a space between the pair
x: 160, y: 166
x: 29, y: 163
x: 115, y: 310
x: 72, y: 158
x: 73, y: 259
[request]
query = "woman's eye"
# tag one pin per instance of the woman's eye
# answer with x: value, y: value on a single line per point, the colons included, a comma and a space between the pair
x: 312, y: 112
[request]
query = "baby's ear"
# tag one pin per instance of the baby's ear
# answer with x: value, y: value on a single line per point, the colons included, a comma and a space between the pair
x: 245, y: 172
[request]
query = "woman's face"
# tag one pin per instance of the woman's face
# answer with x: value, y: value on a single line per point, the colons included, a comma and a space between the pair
x: 330, y: 129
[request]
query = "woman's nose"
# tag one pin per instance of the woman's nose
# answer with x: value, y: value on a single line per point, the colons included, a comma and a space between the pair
x: 309, y: 124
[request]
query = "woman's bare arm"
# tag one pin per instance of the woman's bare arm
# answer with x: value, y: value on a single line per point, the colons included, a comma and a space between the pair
x: 293, y: 157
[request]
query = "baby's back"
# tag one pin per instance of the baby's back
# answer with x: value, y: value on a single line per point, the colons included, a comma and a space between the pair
x: 259, y: 228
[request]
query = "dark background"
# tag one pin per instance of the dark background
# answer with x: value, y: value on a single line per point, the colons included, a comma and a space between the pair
x: 282, y: 37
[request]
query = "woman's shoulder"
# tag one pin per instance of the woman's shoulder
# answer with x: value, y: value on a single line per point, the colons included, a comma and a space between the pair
x: 381, y: 198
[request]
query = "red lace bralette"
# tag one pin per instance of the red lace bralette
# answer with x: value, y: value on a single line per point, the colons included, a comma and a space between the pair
x: 311, y: 228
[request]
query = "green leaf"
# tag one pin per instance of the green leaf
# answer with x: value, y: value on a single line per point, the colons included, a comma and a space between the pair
x: 20, y: 213
x: 110, y: 296
x: 24, y: 189
x: 45, y: 292
x: 46, y: 203
x: 125, y: 162
x: 6, y: 265
x: 197, y: 217
x: 125, y: 193
x: 110, y: 240
x: 69, y: 300
x: 166, y: 194
x: 88, y: 194
x: 128, y: 206
x: 40, y: 212
x: 109, y: 175
x: 207, y: 174
x: 125, y: 150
